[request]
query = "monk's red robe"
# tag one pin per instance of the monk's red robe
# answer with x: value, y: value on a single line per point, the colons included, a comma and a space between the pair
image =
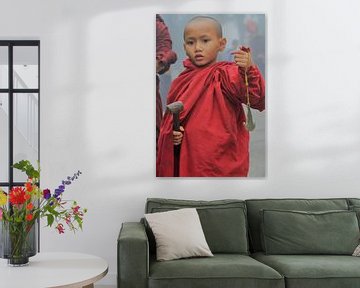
x: 166, y: 56
x: 215, y: 141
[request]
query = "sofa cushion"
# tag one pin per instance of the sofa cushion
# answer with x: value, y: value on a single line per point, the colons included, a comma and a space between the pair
x: 298, y: 232
x: 254, y: 207
x: 178, y: 234
x: 222, y: 270
x: 313, y: 271
x: 223, y: 221
x: 353, y: 201
x: 356, y: 209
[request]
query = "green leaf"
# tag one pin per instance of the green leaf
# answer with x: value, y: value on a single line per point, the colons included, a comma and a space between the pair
x: 79, y: 221
x: 50, y: 219
x: 28, y: 168
x: 22, y: 164
x: 51, y: 210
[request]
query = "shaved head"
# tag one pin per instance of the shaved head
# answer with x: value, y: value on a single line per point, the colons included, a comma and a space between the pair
x: 203, y: 40
x: 210, y: 20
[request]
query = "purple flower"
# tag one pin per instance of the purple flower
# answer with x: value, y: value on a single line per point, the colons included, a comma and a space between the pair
x: 46, y: 194
x: 58, y: 192
x: 68, y: 181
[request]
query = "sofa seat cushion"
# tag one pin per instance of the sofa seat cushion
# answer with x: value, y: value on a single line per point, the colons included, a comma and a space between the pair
x: 313, y: 271
x: 222, y: 270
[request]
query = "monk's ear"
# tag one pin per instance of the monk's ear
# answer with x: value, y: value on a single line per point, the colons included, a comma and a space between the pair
x: 223, y: 42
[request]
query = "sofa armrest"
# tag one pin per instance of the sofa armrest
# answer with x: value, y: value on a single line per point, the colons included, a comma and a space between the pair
x: 133, y: 256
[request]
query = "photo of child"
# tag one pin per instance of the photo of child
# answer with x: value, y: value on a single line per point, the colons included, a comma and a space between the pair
x: 205, y: 130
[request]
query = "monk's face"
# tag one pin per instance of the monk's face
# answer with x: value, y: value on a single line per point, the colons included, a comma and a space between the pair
x: 202, y: 42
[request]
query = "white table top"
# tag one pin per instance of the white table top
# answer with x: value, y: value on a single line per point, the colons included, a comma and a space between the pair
x: 68, y: 270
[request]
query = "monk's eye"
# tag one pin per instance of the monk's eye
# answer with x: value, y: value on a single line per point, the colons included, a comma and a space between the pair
x: 206, y: 40
x: 189, y: 42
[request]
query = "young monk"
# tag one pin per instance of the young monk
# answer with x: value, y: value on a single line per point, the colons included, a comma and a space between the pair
x: 213, y: 139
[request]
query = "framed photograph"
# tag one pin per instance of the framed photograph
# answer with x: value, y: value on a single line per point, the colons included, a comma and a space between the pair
x: 210, y: 95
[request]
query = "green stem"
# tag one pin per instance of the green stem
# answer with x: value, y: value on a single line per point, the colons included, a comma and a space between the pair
x: 18, y: 239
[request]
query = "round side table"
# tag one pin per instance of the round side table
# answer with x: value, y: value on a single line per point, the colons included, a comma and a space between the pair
x: 50, y: 270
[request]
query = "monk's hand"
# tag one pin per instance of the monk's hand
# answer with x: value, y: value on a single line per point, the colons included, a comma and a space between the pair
x: 178, y: 136
x: 242, y: 57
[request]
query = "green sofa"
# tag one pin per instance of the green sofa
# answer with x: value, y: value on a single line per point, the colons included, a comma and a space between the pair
x: 260, y: 243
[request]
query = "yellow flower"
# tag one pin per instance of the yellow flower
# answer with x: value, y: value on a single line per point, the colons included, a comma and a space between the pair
x: 3, y: 198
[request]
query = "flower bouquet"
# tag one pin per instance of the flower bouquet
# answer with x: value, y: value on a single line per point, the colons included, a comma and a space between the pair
x: 21, y: 208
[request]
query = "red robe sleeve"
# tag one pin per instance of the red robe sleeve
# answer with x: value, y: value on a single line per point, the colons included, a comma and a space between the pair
x: 164, y: 52
x: 233, y: 85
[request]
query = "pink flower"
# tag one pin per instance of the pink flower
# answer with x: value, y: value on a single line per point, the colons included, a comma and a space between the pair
x: 1, y: 212
x: 76, y: 209
x: 60, y: 228
x: 68, y: 219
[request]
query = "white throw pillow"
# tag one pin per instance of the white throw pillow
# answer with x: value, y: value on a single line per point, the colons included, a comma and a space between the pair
x: 357, y: 251
x: 178, y: 234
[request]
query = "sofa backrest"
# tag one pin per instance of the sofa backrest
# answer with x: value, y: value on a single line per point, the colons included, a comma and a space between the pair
x: 254, y: 207
x: 353, y: 202
x: 223, y: 221
x: 354, y: 205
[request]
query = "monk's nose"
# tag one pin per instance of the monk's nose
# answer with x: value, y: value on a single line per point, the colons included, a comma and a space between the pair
x: 198, y: 47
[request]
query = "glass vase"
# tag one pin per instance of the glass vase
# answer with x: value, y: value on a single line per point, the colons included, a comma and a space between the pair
x: 18, y: 242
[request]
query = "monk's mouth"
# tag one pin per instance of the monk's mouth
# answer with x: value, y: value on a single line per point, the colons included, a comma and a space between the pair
x: 199, y: 58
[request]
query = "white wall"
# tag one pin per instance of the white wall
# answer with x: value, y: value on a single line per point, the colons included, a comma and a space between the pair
x: 98, y: 106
